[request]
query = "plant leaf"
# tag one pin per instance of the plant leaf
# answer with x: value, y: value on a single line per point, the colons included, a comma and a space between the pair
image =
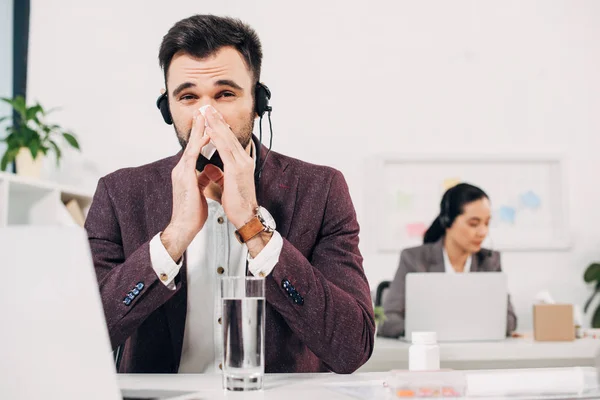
x: 9, y: 101
x: 46, y: 112
x: 589, y: 301
x: 70, y: 138
x: 32, y: 112
x: 8, y: 157
x: 18, y: 103
x: 592, y: 273
x: 596, y: 318
x: 57, y: 151
x: 4, y: 162
x: 34, y: 147
x: 5, y: 118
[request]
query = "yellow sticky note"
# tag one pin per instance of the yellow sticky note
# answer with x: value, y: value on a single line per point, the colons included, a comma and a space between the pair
x: 450, y: 182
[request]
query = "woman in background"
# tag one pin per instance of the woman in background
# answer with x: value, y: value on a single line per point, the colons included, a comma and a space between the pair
x: 452, y: 244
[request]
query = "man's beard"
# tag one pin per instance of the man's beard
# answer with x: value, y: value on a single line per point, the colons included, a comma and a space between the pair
x: 243, y: 137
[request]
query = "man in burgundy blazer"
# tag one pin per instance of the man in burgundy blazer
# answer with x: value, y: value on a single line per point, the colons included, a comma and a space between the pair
x: 332, y: 329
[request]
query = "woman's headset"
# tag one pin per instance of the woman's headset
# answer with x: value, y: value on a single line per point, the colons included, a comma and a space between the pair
x: 445, y: 219
x: 446, y: 222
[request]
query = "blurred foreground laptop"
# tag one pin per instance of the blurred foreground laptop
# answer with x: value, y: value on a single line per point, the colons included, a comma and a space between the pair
x: 459, y: 307
x: 54, y: 342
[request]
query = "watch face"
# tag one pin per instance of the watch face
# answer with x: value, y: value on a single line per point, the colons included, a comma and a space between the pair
x: 267, y: 219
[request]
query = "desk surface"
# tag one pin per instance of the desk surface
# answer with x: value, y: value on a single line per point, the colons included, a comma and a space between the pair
x: 510, y: 353
x: 277, y: 386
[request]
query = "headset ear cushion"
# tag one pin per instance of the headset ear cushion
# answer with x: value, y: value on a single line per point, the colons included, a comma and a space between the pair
x: 444, y: 221
x: 262, y: 94
x: 163, y: 105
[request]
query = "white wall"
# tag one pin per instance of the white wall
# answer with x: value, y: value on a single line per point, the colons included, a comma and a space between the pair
x: 351, y: 80
x: 6, y: 62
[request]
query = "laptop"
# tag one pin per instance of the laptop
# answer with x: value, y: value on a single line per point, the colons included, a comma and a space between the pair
x: 458, y: 307
x: 54, y: 342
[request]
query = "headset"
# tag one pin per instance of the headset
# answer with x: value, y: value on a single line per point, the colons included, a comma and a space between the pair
x: 445, y: 219
x: 262, y: 95
x: 446, y: 222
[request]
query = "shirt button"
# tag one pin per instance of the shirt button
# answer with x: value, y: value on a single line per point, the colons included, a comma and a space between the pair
x: 163, y: 277
x: 261, y: 274
x: 221, y: 366
x: 220, y: 220
x: 220, y: 270
x: 219, y: 320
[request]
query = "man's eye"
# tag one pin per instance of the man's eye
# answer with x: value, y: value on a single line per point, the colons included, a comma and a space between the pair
x: 186, y: 97
x: 226, y: 94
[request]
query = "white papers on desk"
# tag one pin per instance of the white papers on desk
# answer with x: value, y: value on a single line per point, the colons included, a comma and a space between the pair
x: 362, y: 390
x: 519, y: 382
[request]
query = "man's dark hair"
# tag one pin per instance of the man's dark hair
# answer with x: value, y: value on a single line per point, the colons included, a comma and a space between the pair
x: 203, y: 35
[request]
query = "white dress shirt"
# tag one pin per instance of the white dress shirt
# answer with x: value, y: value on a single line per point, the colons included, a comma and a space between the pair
x: 214, y: 252
x: 448, y: 265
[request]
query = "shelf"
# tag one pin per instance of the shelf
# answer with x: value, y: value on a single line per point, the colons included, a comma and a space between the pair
x: 29, y: 201
x: 29, y: 204
x: 41, y: 184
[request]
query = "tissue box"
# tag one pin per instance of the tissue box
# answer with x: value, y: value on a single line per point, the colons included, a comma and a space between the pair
x: 553, y: 322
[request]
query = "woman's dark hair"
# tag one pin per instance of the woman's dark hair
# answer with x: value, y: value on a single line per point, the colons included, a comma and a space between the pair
x: 203, y: 35
x: 452, y: 205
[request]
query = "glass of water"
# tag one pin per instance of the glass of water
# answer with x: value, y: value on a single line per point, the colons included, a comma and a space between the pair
x: 243, y: 332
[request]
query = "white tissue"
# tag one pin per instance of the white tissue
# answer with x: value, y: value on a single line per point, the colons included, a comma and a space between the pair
x: 544, y: 297
x: 532, y: 382
x: 210, y: 149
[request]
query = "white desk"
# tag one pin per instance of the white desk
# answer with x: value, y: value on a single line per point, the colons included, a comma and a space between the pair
x: 391, y: 354
x: 277, y: 386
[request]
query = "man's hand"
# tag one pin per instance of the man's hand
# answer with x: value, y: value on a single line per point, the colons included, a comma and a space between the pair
x: 237, y: 181
x: 190, y: 209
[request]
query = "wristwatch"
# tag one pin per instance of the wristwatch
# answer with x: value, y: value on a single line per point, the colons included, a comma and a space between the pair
x: 261, y: 222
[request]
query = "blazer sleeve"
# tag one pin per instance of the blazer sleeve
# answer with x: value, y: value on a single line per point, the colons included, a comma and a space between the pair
x: 326, y: 301
x: 394, y: 304
x: 129, y: 287
x: 511, y: 317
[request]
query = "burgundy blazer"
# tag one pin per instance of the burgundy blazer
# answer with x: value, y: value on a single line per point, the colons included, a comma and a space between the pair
x: 331, y: 330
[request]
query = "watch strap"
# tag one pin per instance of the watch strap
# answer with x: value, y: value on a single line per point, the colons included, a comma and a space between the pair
x: 249, y: 230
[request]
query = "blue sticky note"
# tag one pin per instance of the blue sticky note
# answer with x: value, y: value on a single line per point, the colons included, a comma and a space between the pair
x: 507, y: 214
x: 530, y: 200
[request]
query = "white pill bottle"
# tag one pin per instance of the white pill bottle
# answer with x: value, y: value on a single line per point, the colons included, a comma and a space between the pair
x: 424, y: 353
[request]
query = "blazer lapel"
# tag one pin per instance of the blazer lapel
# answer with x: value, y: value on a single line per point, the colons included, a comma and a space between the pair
x: 481, y: 261
x: 276, y: 188
x: 436, y: 257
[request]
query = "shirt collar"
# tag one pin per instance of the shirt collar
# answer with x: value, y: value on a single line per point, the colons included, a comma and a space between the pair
x: 448, y: 265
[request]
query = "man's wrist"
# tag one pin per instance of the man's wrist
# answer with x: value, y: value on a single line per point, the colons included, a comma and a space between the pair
x: 258, y: 242
x: 172, y: 243
x: 244, y: 217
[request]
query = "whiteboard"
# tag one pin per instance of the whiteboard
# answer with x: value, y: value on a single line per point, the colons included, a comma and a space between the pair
x: 527, y: 193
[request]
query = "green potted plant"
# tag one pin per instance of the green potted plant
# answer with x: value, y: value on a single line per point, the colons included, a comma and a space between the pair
x: 592, y: 275
x: 30, y: 138
x: 379, y: 316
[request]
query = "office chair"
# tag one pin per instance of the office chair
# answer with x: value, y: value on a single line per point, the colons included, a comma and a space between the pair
x: 381, y: 289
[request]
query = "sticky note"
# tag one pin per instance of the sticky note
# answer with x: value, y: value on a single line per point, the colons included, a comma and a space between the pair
x: 416, y: 229
x: 450, y: 182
